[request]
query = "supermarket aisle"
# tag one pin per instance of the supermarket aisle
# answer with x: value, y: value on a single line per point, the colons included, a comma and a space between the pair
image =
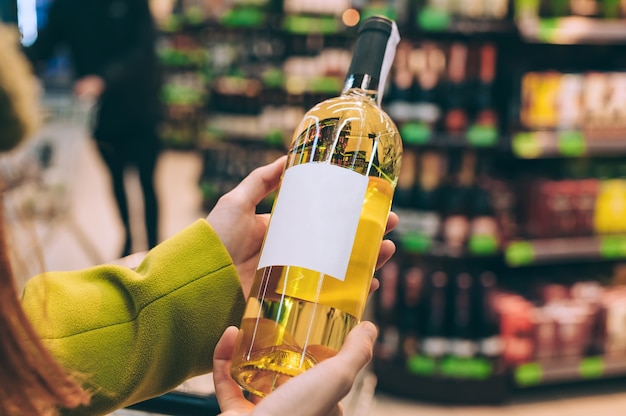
x: 92, y: 210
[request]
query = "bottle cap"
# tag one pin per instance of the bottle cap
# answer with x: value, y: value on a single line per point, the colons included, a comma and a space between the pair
x: 375, y: 50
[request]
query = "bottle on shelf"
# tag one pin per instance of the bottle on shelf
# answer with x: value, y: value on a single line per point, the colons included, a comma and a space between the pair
x: 490, y: 345
x: 387, y: 312
x: 463, y: 342
x: 456, y: 117
x: 486, y: 114
x: 435, y: 332
x: 326, y: 226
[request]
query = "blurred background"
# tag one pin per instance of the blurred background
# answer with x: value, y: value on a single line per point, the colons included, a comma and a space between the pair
x: 508, y: 289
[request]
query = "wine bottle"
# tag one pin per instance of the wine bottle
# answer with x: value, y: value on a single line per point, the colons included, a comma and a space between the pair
x: 327, y: 224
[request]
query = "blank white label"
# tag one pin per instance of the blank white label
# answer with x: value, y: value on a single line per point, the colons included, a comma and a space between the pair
x: 315, y: 218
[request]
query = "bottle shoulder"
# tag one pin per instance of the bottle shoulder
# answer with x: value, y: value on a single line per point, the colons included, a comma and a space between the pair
x: 354, y: 107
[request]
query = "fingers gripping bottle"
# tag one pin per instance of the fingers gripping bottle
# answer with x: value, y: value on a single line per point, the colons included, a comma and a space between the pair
x: 326, y: 226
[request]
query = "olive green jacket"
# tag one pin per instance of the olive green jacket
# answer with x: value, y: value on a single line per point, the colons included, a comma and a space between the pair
x: 135, y: 334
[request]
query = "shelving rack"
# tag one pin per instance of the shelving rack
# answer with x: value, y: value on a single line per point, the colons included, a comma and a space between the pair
x: 253, y: 93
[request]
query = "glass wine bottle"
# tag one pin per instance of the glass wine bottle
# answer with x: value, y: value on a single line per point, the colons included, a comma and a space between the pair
x: 326, y: 226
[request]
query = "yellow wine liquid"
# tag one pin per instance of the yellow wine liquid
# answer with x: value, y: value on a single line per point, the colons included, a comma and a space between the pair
x: 297, y: 317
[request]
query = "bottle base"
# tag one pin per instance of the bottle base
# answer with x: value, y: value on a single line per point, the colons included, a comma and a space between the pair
x: 271, y: 369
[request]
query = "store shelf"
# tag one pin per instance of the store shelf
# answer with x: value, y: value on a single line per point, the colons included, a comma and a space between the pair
x: 573, y: 249
x: 588, y: 368
x: 431, y: 19
x: 417, y: 134
x: 573, y: 30
x: 543, y: 144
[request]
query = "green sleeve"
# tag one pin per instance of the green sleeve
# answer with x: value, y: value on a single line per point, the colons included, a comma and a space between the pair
x: 131, y: 335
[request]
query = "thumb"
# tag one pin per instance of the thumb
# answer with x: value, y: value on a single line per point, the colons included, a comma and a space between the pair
x: 260, y: 182
x: 228, y: 393
x: 330, y: 381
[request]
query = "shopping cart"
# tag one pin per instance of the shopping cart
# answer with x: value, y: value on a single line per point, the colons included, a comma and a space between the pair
x: 38, y: 179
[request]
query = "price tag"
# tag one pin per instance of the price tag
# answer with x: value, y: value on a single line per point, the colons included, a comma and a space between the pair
x: 386, y: 11
x: 548, y: 30
x: 421, y: 365
x: 572, y: 143
x: 526, y: 145
x: 591, y: 367
x: 416, y: 243
x: 482, y: 136
x: 528, y: 374
x: 520, y: 253
x: 466, y: 368
x: 434, y: 19
x: 611, y: 247
x: 415, y: 133
x: 483, y: 244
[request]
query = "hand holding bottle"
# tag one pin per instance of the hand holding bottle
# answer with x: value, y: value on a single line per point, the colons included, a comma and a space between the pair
x: 241, y: 230
x: 330, y: 381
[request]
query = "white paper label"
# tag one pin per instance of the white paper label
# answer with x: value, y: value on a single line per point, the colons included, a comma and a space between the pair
x: 315, y: 218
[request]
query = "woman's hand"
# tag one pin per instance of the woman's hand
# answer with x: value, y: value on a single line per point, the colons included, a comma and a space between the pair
x: 316, y: 392
x: 235, y: 221
x: 241, y: 230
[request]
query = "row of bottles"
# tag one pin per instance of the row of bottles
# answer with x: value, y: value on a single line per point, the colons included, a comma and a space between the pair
x: 472, y: 9
x: 566, y: 208
x: 444, y: 204
x: 594, y: 102
x: 565, y: 321
x: 434, y: 310
x: 445, y: 87
x: 608, y: 9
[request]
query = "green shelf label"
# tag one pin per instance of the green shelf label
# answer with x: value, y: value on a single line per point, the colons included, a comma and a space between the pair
x: 520, y: 253
x: 591, y: 367
x: 415, y: 133
x: 416, y: 243
x: 386, y: 11
x: 274, y: 78
x: 572, y: 143
x: 306, y: 24
x: 483, y: 245
x: 526, y: 145
x: 528, y: 374
x: 482, y: 136
x: 243, y: 17
x: 421, y: 365
x: 274, y: 138
x: 613, y: 247
x: 328, y: 85
x: 547, y: 30
x: 466, y: 368
x: 433, y: 19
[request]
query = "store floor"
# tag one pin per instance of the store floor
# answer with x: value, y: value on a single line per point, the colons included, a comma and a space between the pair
x: 90, y: 220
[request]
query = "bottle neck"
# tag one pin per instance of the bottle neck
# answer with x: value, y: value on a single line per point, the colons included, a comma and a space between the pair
x: 365, y: 84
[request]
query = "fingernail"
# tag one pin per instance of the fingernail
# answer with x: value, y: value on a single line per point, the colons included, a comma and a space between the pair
x: 370, y: 330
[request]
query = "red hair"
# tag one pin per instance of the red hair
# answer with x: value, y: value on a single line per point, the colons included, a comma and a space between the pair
x: 32, y: 382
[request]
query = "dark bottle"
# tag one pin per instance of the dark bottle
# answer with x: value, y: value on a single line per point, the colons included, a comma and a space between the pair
x: 484, y: 233
x: 408, y: 322
x: 463, y: 338
x: 427, y: 63
x: 456, y: 119
x: 435, y: 327
x: 486, y: 114
x: 426, y: 196
x: 387, y: 312
x: 455, y: 209
x: 487, y: 318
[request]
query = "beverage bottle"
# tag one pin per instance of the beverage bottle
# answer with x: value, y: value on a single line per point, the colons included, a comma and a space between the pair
x: 326, y: 226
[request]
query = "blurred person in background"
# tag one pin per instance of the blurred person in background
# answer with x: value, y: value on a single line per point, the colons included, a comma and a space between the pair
x: 114, y: 60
